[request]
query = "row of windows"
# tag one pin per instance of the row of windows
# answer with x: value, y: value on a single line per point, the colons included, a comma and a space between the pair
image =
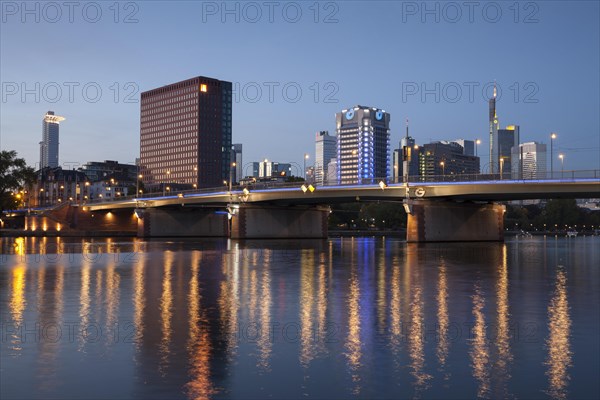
x: 160, y: 131
x: 163, y: 149
x: 159, y: 113
x: 160, y: 144
x: 177, y: 102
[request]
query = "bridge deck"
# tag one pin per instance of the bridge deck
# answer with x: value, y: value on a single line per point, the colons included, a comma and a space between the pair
x: 461, y: 191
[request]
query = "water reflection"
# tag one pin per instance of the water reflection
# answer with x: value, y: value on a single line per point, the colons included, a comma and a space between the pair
x: 373, y: 317
x: 17, y: 303
x: 84, y: 300
x: 559, y: 358
x: 443, y: 319
x: 353, y: 340
x: 416, y: 342
x: 306, y: 301
x: 139, y: 298
x: 265, y: 339
x: 199, y: 347
x: 166, y: 302
x: 479, y: 345
x: 502, y: 339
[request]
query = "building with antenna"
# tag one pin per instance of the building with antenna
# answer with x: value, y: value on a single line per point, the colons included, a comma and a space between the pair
x: 407, y: 152
x: 493, y: 122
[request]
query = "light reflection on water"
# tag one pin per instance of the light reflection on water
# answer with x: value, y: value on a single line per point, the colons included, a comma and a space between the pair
x: 354, y: 317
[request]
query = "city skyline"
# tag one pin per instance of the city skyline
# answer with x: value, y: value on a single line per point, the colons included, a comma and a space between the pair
x: 535, y: 93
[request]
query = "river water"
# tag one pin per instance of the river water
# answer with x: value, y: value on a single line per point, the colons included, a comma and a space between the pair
x: 339, y: 318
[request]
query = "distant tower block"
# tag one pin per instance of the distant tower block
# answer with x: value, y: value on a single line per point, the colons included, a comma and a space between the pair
x: 50, y: 140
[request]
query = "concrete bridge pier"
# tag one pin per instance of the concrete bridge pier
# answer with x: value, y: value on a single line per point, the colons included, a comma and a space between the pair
x: 251, y: 221
x: 447, y: 221
x: 182, y: 222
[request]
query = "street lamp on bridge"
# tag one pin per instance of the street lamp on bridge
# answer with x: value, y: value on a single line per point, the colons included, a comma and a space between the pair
x: 562, y: 164
x: 304, y: 171
x: 502, y: 168
x: 552, y: 137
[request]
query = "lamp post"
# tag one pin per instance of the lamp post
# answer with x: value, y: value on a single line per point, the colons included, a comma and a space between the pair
x: 164, y: 183
x: 137, y: 185
x: 231, y: 167
x: 552, y: 137
x: 443, y: 165
x: 477, y: 143
x: 305, y: 158
x: 501, y: 167
x: 562, y: 165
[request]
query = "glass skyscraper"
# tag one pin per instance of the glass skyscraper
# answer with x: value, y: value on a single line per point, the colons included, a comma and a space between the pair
x: 49, y: 143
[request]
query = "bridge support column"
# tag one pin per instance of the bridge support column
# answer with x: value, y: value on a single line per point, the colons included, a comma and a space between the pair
x: 183, y: 221
x: 446, y: 221
x: 264, y: 222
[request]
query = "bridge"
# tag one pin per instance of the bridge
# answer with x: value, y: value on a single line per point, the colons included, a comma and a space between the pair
x: 443, y: 209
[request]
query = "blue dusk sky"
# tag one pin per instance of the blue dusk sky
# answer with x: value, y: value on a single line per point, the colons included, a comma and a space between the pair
x: 295, y: 64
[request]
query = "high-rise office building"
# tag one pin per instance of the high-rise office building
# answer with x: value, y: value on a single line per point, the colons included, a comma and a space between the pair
x: 236, y: 157
x: 332, y: 172
x: 507, y: 139
x: 396, y: 165
x: 185, y: 133
x: 408, y: 152
x: 467, y: 145
x: 493, y: 121
x: 363, y: 145
x: 49, y: 143
x: 325, y: 151
x: 529, y: 161
x: 446, y: 159
x: 272, y: 169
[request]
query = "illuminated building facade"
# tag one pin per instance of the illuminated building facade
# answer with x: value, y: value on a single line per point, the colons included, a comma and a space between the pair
x: 325, y: 151
x: 529, y: 161
x: 493, y: 121
x: 49, y: 143
x: 438, y: 159
x: 363, y: 145
x: 185, y: 133
x: 507, y: 139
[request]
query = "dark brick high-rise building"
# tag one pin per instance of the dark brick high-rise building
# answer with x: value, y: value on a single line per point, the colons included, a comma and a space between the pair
x: 185, y: 133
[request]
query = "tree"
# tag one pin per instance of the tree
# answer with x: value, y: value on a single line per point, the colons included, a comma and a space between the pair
x: 562, y: 212
x: 14, y: 176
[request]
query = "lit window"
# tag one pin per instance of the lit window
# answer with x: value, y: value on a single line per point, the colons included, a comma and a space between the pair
x: 203, y: 87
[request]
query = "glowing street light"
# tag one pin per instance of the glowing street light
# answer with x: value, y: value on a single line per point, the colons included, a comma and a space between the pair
x: 305, y: 158
x: 552, y: 137
x: 477, y: 143
x: 137, y: 184
x: 443, y: 165
x: 562, y: 164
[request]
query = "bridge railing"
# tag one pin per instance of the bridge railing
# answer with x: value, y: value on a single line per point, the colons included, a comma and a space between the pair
x: 544, y: 176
